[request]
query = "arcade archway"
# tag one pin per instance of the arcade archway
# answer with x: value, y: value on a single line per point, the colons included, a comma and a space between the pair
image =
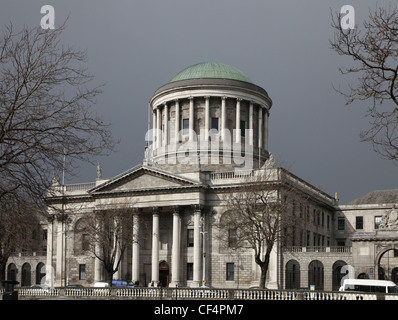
x: 387, y: 264
x: 164, y: 274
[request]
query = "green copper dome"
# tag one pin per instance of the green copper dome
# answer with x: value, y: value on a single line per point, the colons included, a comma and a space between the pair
x: 211, y: 70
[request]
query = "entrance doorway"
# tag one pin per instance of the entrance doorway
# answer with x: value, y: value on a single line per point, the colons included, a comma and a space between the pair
x: 164, y: 274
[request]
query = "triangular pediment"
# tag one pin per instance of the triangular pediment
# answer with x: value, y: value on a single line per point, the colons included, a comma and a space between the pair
x: 144, y: 178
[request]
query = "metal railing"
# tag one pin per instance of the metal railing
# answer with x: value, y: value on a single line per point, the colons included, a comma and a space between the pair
x: 194, y: 294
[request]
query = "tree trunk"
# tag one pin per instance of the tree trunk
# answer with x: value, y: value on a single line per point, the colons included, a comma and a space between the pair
x: 263, y: 267
x: 109, y: 277
x: 3, y: 265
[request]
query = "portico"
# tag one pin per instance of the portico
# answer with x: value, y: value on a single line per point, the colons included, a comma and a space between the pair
x: 168, y: 248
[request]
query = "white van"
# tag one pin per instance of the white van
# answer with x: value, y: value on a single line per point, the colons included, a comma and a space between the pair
x: 371, y: 286
x: 101, y: 285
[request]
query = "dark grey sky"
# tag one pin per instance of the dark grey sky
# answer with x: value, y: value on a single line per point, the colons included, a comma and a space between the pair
x: 283, y: 46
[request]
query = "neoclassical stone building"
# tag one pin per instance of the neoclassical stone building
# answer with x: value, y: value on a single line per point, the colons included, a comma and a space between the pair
x: 209, y: 134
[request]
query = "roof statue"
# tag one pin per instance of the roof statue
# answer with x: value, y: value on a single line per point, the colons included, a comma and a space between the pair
x: 269, y: 163
x: 390, y: 219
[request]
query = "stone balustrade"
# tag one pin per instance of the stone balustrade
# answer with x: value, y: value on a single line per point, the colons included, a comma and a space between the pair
x: 193, y: 294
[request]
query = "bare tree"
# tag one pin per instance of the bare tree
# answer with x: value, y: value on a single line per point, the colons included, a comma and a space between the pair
x: 46, y: 114
x: 374, y: 51
x: 259, y: 215
x: 110, y: 232
x: 19, y: 223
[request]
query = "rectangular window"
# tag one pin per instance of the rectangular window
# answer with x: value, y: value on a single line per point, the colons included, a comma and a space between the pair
x: 230, y: 271
x: 82, y: 272
x: 377, y: 222
x: 242, y: 128
x: 214, y: 124
x: 185, y: 126
x: 190, y: 238
x: 341, y: 223
x: 359, y: 222
x: 190, y: 271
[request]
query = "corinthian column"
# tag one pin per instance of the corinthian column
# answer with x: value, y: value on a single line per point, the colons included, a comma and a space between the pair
x: 191, y: 119
x: 260, y: 127
x: 175, y: 253
x: 166, y: 124
x: 251, y: 123
x: 196, y: 246
x: 135, y: 270
x: 177, y: 122
x: 265, y: 125
x: 155, y: 245
x: 207, y: 117
x: 49, y: 264
x: 223, y: 118
x: 158, y: 128
x: 237, y: 126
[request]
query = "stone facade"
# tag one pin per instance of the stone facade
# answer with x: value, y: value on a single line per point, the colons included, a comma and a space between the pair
x: 179, y: 192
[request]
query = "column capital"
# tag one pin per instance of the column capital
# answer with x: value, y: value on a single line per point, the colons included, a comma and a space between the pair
x: 190, y: 98
x: 175, y: 209
x: 239, y: 99
x: 136, y: 210
x: 155, y: 210
x: 223, y: 97
x: 197, y: 208
x: 62, y: 217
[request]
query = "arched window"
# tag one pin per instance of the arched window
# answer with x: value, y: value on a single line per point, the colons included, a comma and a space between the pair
x: 315, y: 274
x: 292, y: 274
x: 12, y: 272
x: 394, y: 275
x: 25, y: 277
x: 338, y: 274
x: 40, y: 272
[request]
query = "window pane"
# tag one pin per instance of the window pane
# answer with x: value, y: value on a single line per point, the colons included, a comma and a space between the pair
x: 189, y: 271
x: 230, y: 271
x: 190, y: 238
x: 341, y: 224
x: 82, y: 271
x: 377, y: 222
x: 242, y: 128
x: 214, y: 123
x: 185, y: 126
x: 359, y: 222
